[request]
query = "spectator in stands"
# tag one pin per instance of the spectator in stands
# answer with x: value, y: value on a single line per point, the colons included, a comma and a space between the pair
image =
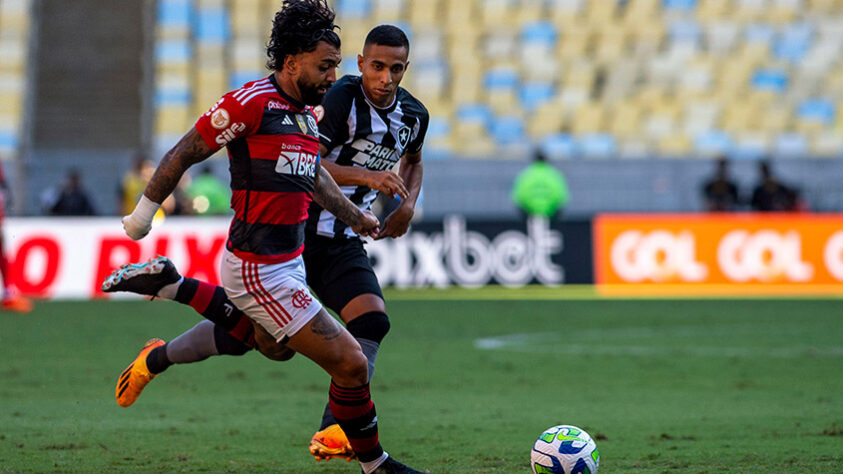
x: 540, y: 189
x: 133, y: 184
x: 771, y: 195
x: 72, y: 200
x: 208, y: 194
x: 720, y: 192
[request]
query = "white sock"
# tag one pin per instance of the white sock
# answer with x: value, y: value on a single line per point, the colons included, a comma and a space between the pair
x: 370, y: 466
x: 170, y: 291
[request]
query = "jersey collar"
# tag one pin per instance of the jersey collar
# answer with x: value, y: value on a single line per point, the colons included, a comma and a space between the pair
x: 284, y: 95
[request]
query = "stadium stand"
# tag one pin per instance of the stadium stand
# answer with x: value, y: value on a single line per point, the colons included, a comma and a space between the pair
x: 14, y: 35
x: 599, y: 78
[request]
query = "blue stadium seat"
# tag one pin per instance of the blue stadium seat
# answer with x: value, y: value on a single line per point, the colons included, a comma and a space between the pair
x: 8, y: 139
x: 816, y: 110
x: 794, y: 145
x: 794, y: 42
x: 543, y: 32
x: 237, y: 78
x: 558, y: 146
x: 597, y: 145
x: 759, y: 33
x: 681, y: 5
x: 173, y: 51
x: 212, y: 25
x: 173, y: 96
x: 714, y: 142
x: 534, y: 94
x: 685, y: 30
x: 353, y: 8
x: 474, y: 113
x: 508, y: 130
x: 175, y: 13
x: 500, y: 79
x: 769, y: 79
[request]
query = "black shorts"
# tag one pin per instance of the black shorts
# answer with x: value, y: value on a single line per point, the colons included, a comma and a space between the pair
x: 338, y: 270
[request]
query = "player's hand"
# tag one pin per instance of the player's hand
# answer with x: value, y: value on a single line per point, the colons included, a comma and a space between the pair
x: 388, y: 183
x: 397, y: 223
x: 367, y: 225
x: 134, y: 228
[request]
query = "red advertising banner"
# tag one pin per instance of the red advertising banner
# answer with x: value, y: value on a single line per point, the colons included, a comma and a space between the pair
x: 719, y: 254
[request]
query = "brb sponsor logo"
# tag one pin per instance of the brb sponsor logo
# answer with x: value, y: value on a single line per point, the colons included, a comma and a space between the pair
x: 297, y: 163
x: 467, y: 258
x: 766, y: 256
x: 658, y: 256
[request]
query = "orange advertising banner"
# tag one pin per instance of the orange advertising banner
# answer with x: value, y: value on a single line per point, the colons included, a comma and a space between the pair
x: 726, y: 254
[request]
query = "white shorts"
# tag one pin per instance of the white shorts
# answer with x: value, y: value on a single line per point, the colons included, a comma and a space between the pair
x: 273, y: 295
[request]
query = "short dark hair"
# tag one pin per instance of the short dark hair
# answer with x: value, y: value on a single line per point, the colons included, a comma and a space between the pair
x: 297, y: 28
x: 387, y: 35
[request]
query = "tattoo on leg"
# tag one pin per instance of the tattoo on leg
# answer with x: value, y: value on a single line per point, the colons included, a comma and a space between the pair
x: 325, y: 326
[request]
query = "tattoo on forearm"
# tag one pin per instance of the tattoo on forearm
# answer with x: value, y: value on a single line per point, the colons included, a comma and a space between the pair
x: 191, y: 149
x: 325, y: 326
x: 329, y: 196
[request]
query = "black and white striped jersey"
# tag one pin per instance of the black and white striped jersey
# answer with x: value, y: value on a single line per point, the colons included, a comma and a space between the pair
x: 356, y: 133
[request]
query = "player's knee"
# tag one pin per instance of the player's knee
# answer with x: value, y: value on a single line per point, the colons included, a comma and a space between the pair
x: 372, y: 325
x: 228, y: 344
x: 352, y: 369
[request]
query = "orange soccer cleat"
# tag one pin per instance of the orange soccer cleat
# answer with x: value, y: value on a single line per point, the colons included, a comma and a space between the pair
x: 132, y: 381
x: 17, y: 304
x: 331, y: 443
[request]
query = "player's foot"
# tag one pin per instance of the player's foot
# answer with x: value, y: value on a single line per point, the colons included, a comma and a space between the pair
x: 132, y: 381
x: 331, y: 443
x: 145, y: 278
x: 17, y: 304
x: 391, y: 466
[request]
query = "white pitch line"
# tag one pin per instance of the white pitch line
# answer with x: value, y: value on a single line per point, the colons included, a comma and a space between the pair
x: 550, y: 343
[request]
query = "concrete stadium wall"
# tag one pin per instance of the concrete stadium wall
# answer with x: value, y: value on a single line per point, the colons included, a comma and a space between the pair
x: 481, y: 188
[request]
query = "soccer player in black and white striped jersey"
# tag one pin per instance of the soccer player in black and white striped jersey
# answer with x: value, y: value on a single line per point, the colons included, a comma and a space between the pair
x: 368, y: 125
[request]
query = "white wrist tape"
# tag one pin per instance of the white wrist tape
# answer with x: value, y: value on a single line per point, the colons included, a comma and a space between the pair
x: 145, y: 211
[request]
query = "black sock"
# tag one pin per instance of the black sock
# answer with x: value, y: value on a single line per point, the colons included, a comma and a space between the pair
x: 157, y: 361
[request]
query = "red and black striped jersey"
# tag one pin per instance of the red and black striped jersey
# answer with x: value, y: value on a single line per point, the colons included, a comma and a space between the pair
x: 273, y: 151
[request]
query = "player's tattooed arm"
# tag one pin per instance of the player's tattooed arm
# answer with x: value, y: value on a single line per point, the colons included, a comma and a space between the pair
x: 328, y: 195
x: 191, y: 149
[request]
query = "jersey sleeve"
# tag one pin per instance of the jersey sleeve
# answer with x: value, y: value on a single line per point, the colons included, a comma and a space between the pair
x: 333, y: 128
x: 415, y: 146
x: 228, y: 120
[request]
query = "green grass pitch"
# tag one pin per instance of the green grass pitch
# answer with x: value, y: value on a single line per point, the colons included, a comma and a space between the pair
x: 462, y: 386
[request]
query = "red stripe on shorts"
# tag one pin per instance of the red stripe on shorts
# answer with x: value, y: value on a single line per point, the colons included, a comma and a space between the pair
x: 271, y: 299
x: 247, y: 275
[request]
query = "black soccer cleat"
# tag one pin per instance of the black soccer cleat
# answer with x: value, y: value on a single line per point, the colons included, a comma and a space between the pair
x: 391, y: 466
x: 145, y: 278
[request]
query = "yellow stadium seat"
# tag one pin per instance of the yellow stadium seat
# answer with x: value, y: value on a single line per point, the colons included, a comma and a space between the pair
x: 740, y: 116
x: 713, y: 9
x: 588, y: 118
x: 776, y: 118
x: 173, y: 120
x: 567, y: 12
x: 387, y: 11
x: 547, y: 119
x: 574, y: 42
x: 625, y: 119
x: 674, y: 145
x: 425, y: 12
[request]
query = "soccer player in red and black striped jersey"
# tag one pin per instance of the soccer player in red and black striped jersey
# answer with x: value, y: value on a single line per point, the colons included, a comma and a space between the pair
x: 270, y: 131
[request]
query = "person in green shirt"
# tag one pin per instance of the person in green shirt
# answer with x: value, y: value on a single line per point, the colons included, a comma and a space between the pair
x: 540, y: 189
x: 209, y: 195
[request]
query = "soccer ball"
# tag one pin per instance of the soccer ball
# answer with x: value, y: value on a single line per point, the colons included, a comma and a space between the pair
x: 564, y: 449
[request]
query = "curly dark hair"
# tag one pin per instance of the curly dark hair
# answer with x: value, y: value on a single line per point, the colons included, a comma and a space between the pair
x: 298, y: 27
